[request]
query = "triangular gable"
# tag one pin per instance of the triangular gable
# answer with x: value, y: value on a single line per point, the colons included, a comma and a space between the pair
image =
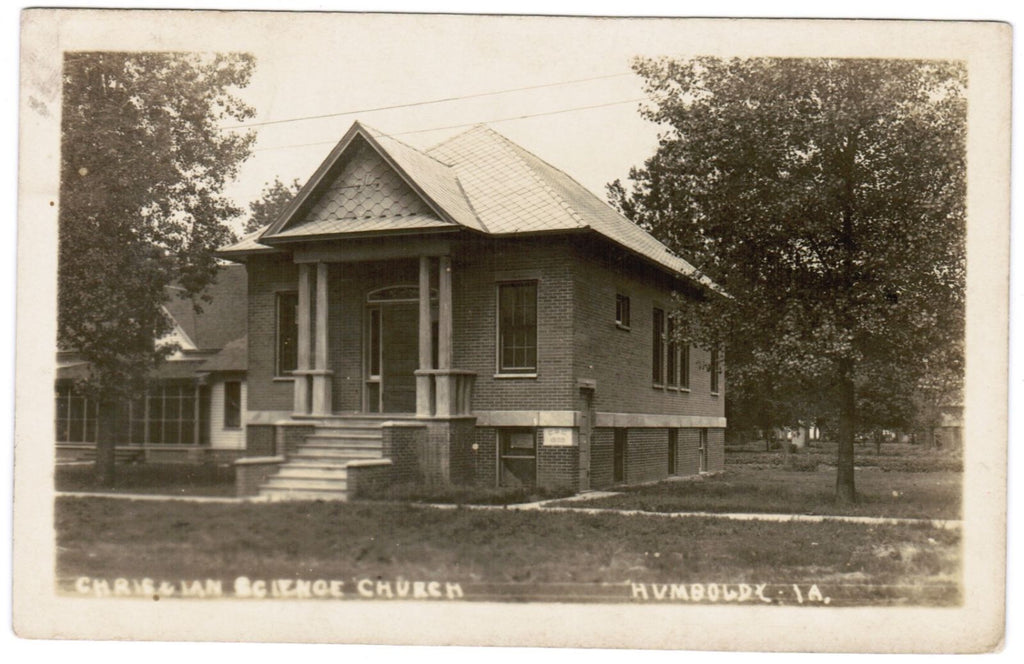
x: 379, y: 185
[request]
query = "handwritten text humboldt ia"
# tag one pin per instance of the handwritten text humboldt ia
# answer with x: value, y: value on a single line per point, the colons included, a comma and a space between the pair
x: 377, y: 588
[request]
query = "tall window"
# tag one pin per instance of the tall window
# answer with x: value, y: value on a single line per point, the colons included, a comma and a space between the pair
x: 715, y: 369
x: 232, y: 404
x: 658, y: 347
x: 517, y: 327
x: 622, y: 311
x: 287, y: 333
x: 684, y: 367
x: 673, y: 355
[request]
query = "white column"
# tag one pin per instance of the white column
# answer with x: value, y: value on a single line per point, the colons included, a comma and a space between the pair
x: 301, y: 376
x: 424, y: 381
x: 444, y: 385
x: 321, y: 374
x: 444, y: 313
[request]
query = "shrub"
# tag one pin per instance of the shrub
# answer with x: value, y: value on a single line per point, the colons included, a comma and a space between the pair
x: 470, y: 495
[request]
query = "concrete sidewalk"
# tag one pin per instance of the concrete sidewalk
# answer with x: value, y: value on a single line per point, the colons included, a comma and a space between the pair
x: 547, y: 506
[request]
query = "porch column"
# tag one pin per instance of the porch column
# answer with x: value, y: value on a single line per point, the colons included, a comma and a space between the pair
x: 321, y: 374
x: 424, y: 382
x: 301, y: 374
x: 445, y: 404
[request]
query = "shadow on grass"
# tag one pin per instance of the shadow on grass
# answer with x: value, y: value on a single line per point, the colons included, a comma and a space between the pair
x: 162, y: 479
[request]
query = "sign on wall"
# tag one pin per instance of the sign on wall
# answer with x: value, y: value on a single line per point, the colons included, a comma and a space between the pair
x: 559, y: 437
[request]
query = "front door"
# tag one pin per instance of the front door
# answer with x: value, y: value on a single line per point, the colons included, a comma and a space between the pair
x: 392, y: 357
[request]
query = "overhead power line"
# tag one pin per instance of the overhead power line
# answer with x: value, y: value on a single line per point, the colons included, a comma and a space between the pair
x: 493, y: 93
x: 469, y: 124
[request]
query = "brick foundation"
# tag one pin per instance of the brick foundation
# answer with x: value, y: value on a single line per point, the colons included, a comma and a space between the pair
x: 252, y: 472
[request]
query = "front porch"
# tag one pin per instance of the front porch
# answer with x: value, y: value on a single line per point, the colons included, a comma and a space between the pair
x: 399, y: 334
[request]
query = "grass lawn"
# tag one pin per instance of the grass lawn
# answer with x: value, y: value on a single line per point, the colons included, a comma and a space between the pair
x: 742, y: 489
x: 506, y: 549
x: 168, y: 479
x: 905, y: 481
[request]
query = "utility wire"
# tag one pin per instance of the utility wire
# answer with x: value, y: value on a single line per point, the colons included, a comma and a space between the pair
x: 425, y: 102
x: 469, y: 124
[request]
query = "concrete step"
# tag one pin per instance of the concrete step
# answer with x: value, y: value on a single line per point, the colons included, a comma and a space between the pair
x: 312, y: 471
x: 349, y: 432
x: 306, y: 484
x: 297, y: 495
x: 335, y: 453
x: 334, y: 441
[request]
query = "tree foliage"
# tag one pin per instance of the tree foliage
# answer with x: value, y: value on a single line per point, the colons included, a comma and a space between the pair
x: 272, y: 201
x: 143, y: 164
x: 827, y: 197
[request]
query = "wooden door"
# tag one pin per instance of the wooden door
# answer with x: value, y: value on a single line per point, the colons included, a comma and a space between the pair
x: 399, y: 357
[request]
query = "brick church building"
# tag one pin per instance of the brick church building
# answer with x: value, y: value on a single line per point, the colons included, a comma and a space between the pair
x: 468, y: 314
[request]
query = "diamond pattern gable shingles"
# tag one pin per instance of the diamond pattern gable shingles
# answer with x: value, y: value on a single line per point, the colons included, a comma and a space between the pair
x: 505, y: 193
x: 437, y: 180
x: 367, y: 187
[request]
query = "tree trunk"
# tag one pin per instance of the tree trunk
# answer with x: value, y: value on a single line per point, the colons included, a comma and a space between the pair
x: 787, y: 459
x: 878, y: 443
x: 846, y: 491
x: 106, y: 437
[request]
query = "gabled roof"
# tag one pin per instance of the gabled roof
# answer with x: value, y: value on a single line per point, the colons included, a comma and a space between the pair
x: 477, y: 180
x: 232, y: 357
x: 222, y: 318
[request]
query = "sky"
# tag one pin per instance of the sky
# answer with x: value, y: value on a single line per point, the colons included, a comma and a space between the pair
x: 372, y: 62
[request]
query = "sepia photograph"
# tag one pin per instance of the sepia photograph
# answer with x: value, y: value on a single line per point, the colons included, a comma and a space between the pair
x: 453, y: 329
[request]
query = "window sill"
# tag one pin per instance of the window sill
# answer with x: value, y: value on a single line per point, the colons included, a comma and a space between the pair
x: 232, y: 429
x: 514, y: 375
x: 620, y: 326
x: 284, y: 379
x: 714, y: 394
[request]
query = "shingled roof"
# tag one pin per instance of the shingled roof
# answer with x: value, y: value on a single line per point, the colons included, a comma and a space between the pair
x: 223, y: 318
x: 478, y: 180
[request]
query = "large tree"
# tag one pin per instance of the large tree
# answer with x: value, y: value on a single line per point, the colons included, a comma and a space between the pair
x: 827, y: 197
x: 273, y: 199
x: 143, y: 165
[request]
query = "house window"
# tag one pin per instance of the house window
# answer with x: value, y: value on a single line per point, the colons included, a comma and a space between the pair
x: 77, y: 417
x: 714, y: 368
x: 619, y: 456
x: 517, y: 327
x: 622, y: 311
x: 232, y: 404
x: 287, y: 333
x: 517, y: 457
x: 171, y: 415
x: 658, y: 347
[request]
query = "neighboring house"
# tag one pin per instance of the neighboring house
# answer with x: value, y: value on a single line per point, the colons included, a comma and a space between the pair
x: 194, y: 408
x: 469, y: 315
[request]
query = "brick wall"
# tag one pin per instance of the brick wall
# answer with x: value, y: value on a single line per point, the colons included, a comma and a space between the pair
x: 401, y: 444
x: 621, y: 360
x: 267, y: 276
x: 259, y: 440
x: 646, y: 455
x: 602, y: 448
x: 485, y: 464
x: 477, y: 269
x: 557, y: 467
x: 688, y: 452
